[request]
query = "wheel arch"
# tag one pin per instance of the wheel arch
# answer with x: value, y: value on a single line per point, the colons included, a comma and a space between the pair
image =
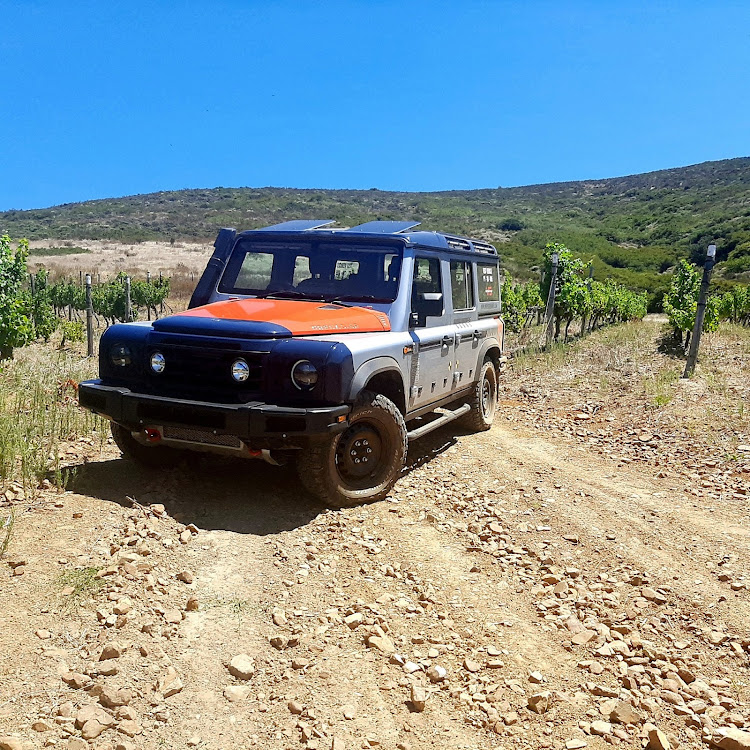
x: 492, y: 350
x: 381, y: 375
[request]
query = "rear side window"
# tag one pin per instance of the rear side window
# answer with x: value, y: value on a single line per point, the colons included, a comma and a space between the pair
x: 462, y: 290
x: 489, y: 283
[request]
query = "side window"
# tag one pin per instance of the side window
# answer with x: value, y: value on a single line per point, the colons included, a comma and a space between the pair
x: 426, y: 291
x: 427, y: 275
x: 462, y: 290
x: 489, y: 284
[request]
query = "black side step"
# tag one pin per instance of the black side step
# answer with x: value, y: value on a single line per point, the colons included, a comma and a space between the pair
x: 446, y: 415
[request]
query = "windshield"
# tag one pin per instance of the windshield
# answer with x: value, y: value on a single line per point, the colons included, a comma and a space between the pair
x: 313, y: 270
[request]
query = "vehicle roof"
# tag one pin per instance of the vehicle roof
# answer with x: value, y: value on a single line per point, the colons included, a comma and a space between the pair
x: 378, y: 230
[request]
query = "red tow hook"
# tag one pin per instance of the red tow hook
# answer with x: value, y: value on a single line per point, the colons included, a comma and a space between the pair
x: 152, y: 435
x: 253, y: 453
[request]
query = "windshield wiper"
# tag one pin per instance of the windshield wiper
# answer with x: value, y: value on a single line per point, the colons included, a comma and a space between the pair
x: 289, y: 294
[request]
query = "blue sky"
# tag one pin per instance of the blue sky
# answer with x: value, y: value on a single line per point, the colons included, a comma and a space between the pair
x: 107, y: 99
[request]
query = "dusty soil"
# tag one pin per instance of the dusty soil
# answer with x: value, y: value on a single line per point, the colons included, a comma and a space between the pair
x: 551, y: 583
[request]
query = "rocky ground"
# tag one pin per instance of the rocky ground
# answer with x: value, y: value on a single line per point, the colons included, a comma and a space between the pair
x: 576, y: 577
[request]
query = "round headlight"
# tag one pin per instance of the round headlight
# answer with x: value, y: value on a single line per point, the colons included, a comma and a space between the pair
x: 240, y: 370
x: 120, y: 355
x: 304, y: 375
x: 158, y: 363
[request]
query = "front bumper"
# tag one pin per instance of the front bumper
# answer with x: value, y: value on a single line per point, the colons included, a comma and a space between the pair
x: 256, y: 423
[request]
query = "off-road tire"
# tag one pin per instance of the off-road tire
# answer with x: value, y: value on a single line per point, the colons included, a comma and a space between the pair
x: 327, y: 469
x: 151, y: 456
x: 483, y: 400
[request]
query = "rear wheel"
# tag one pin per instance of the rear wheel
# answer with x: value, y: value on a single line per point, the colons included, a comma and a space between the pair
x: 362, y: 463
x: 483, y: 400
x: 152, y: 456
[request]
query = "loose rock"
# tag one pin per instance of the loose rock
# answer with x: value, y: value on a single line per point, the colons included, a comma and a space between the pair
x: 418, y: 698
x: 657, y: 740
x: 236, y: 693
x: 540, y: 702
x: 242, y: 667
x: 624, y: 713
x: 734, y: 739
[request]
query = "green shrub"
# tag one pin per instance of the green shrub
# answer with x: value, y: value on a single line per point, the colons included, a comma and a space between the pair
x: 16, y: 328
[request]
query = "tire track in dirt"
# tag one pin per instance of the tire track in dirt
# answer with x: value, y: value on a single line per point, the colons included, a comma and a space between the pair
x: 653, y: 522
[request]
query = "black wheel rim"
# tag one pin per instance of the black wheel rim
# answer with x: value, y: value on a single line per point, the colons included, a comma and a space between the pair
x: 359, y: 453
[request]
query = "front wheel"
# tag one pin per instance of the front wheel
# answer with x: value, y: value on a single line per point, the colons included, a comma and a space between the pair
x: 153, y: 456
x: 483, y: 400
x: 362, y: 463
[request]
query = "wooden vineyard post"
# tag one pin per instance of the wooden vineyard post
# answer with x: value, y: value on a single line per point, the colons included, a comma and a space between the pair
x: 148, y: 305
x: 127, y: 299
x: 700, y: 313
x: 89, y: 317
x: 550, y: 309
x: 588, y: 286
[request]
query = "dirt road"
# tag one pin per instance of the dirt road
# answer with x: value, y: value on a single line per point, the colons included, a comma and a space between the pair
x: 515, y: 591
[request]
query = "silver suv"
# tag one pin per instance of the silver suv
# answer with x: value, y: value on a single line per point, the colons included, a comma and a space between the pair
x: 330, y: 348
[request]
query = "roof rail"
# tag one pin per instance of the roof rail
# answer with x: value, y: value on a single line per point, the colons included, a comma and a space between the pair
x: 467, y: 245
x: 484, y: 247
x: 385, y: 227
x: 458, y: 243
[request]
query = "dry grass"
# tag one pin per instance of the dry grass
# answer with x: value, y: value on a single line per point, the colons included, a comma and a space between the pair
x: 632, y: 373
x: 39, y: 411
x: 6, y: 530
x: 109, y: 258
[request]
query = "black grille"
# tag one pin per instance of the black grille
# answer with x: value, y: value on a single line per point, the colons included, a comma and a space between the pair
x: 200, y: 436
x: 205, y: 373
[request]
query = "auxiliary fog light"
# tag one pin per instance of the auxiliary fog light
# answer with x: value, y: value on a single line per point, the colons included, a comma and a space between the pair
x: 120, y: 355
x: 240, y: 370
x: 158, y: 363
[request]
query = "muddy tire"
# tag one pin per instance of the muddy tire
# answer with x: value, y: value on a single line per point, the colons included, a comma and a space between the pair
x: 152, y: 456
x: 483, y: 400
x: 362, y: 463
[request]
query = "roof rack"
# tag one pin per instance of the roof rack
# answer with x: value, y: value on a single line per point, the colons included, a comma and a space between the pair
x: 484, y: 247
x: 463, y: 244
x: 467, y: 245
x: 458, y: 243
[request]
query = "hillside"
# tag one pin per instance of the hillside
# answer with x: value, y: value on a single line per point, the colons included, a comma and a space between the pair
x: 634, y: 228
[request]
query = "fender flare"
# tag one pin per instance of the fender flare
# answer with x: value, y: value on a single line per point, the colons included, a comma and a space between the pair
x: 486, y: 347
x: 371, y: 368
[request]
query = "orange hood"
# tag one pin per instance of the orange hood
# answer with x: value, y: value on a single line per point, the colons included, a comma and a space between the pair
x: 299, y: 317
